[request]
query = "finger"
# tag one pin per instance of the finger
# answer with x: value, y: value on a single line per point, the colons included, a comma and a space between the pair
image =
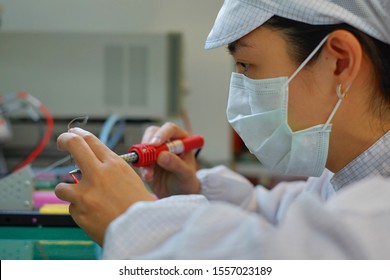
x: 80, y: 150
x: 149, y: 133
x: 167, y: 132
x: 66, y: 192
x: 147, y: 173
x: 98, y: 148
x: 173, y: 163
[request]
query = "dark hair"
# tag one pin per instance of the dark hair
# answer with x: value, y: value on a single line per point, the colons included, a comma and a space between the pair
x: 305, y: 37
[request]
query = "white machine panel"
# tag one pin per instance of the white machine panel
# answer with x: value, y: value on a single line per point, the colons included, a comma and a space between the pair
x: 76, y: 74
x: 16, y: 190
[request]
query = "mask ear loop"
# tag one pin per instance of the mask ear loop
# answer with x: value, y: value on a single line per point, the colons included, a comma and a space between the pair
x: 303, y: 64
x: 341, y: 97
x: 306, y: 61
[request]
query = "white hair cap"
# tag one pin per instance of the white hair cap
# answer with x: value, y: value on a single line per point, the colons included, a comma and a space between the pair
x: 239, y: 17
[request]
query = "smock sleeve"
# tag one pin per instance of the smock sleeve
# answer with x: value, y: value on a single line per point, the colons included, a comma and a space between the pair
x: 233, y: 203
x: 222, y: 184
x: 352, y: 225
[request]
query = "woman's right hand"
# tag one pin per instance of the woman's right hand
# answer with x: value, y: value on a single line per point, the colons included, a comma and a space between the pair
x: 172, y: 174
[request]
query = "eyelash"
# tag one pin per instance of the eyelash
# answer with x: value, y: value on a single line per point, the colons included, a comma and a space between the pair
x: 244, y: 66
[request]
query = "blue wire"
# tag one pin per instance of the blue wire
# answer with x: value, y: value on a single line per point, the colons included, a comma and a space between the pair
x: 117, y: 136
x: 104, y: 136
x: 107, y: 128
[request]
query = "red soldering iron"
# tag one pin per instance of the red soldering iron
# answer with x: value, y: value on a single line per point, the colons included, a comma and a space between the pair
x: 141, y: 155
x: 146, y: 154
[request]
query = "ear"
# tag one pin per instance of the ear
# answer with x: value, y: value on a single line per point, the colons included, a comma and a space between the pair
x: 345, y: 53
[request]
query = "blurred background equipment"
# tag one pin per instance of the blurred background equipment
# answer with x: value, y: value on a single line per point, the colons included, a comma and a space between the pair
x: 97, y: 74
x: 122, y: 82
x: 16, y: 190
x: 32, y: 107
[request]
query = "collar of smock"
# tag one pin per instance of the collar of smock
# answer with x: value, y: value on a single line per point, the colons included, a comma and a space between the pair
x: 374, y: 161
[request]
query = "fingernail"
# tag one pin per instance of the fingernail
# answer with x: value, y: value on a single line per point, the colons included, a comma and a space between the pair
x: 143, y: 172
x: 73, y: 129
x: 156, y: 140
x: 146, y: 174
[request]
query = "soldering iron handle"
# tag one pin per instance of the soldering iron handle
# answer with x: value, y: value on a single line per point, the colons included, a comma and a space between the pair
x: 192, y: 143
x: 147, y: 154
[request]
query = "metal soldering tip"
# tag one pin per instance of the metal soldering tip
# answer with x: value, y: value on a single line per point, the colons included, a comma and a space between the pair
x: 130, y: 157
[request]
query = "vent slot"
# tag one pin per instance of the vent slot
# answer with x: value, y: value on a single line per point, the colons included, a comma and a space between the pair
x: 138, y: 64
x: 113, y: 88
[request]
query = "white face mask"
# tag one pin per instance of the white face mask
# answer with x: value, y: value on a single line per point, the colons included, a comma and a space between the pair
x: 257, y: 110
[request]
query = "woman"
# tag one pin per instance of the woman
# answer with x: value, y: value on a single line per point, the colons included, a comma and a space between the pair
x: 310, y: 97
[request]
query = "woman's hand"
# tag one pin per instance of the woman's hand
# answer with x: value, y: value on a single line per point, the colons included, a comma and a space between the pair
x: 107, y: 188
x: 173, y: 174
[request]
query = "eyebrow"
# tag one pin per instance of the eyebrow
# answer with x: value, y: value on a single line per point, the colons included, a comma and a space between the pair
x: 234, y: 46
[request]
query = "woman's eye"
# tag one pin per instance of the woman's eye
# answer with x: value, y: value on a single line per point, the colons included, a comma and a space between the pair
x: 242, y: 67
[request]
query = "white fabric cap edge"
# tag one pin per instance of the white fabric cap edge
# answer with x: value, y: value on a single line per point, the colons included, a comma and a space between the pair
x: 239, y: 17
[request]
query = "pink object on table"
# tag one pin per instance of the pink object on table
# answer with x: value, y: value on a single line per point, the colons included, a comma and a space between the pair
x: 46, y: 197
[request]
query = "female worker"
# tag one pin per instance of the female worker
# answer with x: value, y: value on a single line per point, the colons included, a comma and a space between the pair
x: 310, y: 97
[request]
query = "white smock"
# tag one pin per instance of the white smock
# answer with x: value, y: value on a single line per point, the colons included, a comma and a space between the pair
x: 231, y: 219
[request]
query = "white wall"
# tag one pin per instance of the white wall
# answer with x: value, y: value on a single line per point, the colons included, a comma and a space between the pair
x: 207, y: 72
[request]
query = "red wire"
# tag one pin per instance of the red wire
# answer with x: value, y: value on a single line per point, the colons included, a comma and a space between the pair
x: 46, y: 137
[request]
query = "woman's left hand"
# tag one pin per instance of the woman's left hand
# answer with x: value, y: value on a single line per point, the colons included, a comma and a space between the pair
x: 108, y: 185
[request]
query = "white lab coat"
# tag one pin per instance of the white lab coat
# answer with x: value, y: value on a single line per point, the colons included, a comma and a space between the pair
x: 234, y: 220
